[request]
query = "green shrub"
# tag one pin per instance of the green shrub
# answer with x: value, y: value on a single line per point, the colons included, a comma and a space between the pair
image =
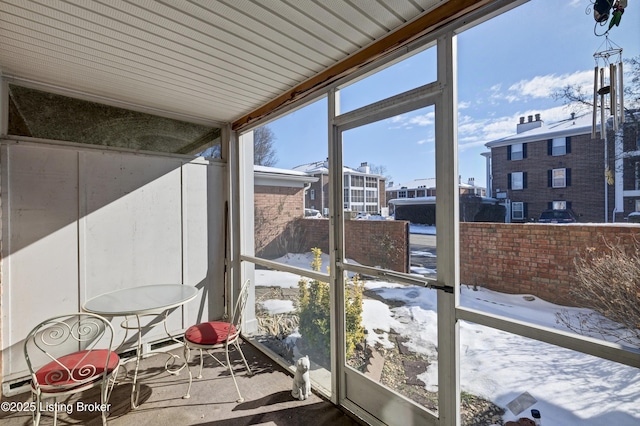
x: 315, y: 308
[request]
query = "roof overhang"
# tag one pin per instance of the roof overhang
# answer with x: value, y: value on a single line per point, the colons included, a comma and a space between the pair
x: 271, y: 176
x: 211, y: 63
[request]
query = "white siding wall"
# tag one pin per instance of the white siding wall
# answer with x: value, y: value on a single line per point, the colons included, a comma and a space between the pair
x: 80, y: 222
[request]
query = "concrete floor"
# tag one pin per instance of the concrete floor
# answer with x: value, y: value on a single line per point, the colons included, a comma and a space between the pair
x: 267, y: 399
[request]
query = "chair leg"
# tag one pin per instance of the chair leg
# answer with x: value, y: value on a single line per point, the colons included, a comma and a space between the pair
x: 246, y: 364
x: 104, y: 398
x: 226, y: 351
x: 55, y: 411
x: 35, y: 414
x: 187, y: 355
x: 199, y: 376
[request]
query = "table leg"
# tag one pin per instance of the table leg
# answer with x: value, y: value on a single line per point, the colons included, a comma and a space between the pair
x: 135, y: 390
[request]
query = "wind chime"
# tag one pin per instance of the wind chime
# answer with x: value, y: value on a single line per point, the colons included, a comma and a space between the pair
x: 608, y: 93
x: 608, y: 72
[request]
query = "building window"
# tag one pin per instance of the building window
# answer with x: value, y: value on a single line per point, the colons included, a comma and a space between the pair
x: 357, y: 196
x: 346, y: 197
x: 312, y: 194
x: 636, y: 184
x: 517, y: 180
x: 402, y: 194
x: 559, y: 146
x: 372, y: 196
x: 371, y: 182
x: 517, y: 210
x: 559, y: 178
x: 638, y: 205
x: 559, y: 205
x: 357, y: 181
x: 517, y: 151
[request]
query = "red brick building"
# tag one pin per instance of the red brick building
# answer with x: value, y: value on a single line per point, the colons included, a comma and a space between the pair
x: 278, y: 201
x: 560, y: 166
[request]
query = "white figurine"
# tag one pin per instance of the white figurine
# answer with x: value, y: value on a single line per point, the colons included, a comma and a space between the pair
x: 301, y: 383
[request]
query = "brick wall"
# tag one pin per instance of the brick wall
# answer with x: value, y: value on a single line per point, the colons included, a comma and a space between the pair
x: 586, y: 191
x: 275, y: 208
x: 531, y: 258
x: 382, y: 243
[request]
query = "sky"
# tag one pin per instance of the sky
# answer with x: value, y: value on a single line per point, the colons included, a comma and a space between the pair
x: 567, y: 387
x: 508, y: 67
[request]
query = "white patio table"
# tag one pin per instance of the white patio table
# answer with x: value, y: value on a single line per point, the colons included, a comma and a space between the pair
x: 151, y: 300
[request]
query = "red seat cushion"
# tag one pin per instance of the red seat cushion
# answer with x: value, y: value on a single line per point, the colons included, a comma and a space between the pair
x: 76, y: 369
x: 209, y: 333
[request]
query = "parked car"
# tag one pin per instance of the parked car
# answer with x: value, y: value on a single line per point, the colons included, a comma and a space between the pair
x: 557, y: 216
x: 312, y: 213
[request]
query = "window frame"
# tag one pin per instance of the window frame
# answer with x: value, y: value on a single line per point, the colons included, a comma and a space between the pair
x: 513, y: 180
x: 555, y: 178
x: 521, y: 204
x: 519, y: 154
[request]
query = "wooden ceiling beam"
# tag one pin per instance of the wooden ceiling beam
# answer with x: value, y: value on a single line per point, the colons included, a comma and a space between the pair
x: 438, y: 17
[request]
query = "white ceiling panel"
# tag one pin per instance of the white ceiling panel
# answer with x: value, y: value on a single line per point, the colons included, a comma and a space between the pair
x: 212, y: 61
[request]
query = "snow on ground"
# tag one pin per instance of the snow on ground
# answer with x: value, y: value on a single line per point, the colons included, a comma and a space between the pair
x: 571, y: 388
x: 278, y: 306
x: 422, y: 271
x: 422, y: 229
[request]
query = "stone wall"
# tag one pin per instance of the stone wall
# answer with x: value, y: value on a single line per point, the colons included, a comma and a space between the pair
x: 533, y: 259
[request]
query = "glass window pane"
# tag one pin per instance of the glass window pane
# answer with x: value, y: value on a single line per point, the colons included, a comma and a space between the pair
x: 516, y: 151
x: 517, y: 180
x: 559, y: 146
x: 515, y: 374
x: 407, y: 74
x: 559, y: 205
x: 291, y: 197
x: 390, y: 209
x: 399, y: 332
x: 517, y: 210
x: 559, y: 178
x: 286, y: 322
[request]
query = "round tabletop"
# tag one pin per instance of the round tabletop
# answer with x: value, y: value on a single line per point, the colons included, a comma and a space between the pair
x: 141, y: 300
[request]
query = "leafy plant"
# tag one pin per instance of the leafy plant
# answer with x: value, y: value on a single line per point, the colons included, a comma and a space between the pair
x: 353, y: 314
x: 315, y: 307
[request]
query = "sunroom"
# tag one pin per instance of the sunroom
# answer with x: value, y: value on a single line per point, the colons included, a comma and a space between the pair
x: 127, y: 159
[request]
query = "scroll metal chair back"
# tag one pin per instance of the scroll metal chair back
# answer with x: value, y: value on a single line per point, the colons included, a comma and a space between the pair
x: 69, y: 354
x: 212, y: 335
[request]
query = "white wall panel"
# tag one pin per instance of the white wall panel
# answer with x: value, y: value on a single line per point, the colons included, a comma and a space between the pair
x: 40, y: 255
x: 204, y: 251
x: 78, y: 223
x: 130, y: 224
x: 130, y: 221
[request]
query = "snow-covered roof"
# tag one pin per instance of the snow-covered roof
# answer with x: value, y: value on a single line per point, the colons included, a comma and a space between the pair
x: 273, y: 176
x: 431, y: 200
x: 266, y: 169
x: 315, y: 167
x: 320, y: 167
x: 572, y: 127
x: 414, y: 184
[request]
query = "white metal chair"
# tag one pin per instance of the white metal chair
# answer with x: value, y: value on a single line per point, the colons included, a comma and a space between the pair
x: 69, y: 354
x: 212, y: 335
